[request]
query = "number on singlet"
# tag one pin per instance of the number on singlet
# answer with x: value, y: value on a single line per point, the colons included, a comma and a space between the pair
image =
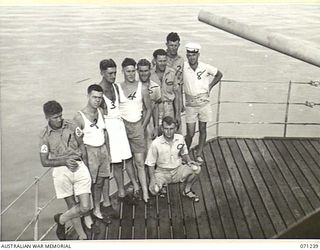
x: 199, y: 74
x: 132, y: 96
x: 113, y: 105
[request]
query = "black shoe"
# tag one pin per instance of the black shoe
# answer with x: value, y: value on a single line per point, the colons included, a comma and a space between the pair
x: 109, y: 212
x: 61, y: 232
x: 105, y: 220
x: 136, y: 195
x: 163, y: 192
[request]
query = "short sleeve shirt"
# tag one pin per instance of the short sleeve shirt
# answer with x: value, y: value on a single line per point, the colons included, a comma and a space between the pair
x: 59, y: 142
x: 154, y: 91
x: 168, y: 84
x: 177, y: 64
x: 197, y: 81
x: 166, y: 155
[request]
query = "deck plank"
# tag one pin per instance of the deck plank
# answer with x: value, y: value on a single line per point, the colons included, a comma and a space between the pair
x: 246, y: 206
x: 223, y: 210
x: 308, y: 160
x: 290, y: 177
x: 234, y: 204
x: 210, y: 199
x: 277, y: 196
x: 308, y: 171
x: 316, y: 144
x: 113, y: 230
x: 283, y: 185
x: 303, y: 182
x: 164, y: 219
x: 139, y: 220
x: 267, y: 199
x: 248, y: 188
x: 152, y: 220
x: 189, y: 217
x: 126, y: 221
x: 201, y: 213
x: 312, y: 151
x: 256, y: 200
x: 176, y: 211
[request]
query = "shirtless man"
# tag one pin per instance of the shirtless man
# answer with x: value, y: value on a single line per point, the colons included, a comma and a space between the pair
x: 132, y: 99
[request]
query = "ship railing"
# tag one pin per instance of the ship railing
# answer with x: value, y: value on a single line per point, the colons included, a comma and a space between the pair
x: 37, y: 209
x: 287, y: 103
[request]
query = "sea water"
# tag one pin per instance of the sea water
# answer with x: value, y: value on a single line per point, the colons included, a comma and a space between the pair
x: 53, y: 53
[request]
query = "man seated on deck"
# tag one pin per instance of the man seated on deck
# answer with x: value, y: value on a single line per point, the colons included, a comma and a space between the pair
x: 169, y: 154
x: 62, y: 150
x: 91, y: 128
x: 199, y: 79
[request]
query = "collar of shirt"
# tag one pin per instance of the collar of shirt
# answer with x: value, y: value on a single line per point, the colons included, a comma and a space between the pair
x: 50, y: 129
x: 200, y: 64
x: 164, y: 141
x: 176, y: 58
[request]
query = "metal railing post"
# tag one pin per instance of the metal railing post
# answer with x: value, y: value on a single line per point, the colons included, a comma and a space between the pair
x: 36, y: 210
x: 287, y: 110
x: 218, y: 110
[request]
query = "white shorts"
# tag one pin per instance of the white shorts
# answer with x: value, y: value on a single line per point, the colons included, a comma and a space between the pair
x: 202, y: 114
x: 67, y: 183
x: 118, y: 140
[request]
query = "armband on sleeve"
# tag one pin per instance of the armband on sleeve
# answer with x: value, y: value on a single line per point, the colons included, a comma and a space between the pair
x: 44, y: 149
x: 79, y: 132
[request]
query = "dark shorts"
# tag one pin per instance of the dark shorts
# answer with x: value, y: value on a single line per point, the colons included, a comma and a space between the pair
x: 135, y: 134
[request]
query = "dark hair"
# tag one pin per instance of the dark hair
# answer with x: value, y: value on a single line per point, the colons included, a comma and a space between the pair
x: 94, y: 87
x: 52, y: 108
x: 159, y: 52
x: 128, y: 61
x: 173, y: 36
x: 168, y: 120
x: 144, y: 62
x: 107, y: 63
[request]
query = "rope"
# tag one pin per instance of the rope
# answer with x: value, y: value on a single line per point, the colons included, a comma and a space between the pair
x: 47, y: 232
x: 23, y: 192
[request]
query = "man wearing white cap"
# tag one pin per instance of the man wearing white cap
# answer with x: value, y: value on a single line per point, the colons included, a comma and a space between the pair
x: 199, y: 78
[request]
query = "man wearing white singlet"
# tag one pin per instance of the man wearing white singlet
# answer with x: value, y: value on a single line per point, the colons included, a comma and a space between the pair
x: 132, y: 99
x: 119, y: 144
x: 91, y: 127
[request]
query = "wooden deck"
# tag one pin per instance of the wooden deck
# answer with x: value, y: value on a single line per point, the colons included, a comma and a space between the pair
x: 249, y: 188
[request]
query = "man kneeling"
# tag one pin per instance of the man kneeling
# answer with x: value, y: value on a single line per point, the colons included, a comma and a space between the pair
x: 170, y: 154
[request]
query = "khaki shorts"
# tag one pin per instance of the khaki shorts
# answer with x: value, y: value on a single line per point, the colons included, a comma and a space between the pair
x: 165, y: 176
x: 67, y: 183
x: 135, y: 134
x: 99, y: 161
x: 202, y: 114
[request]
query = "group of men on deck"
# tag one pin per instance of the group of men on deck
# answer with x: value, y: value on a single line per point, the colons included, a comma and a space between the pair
x: 130, y: 125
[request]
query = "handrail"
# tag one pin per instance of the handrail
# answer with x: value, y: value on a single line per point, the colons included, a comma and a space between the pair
x: 23, y: 192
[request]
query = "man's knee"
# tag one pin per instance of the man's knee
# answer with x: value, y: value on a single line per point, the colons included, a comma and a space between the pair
x: 100, y: 182
x: 139, y: 160
x: 84, y: 208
